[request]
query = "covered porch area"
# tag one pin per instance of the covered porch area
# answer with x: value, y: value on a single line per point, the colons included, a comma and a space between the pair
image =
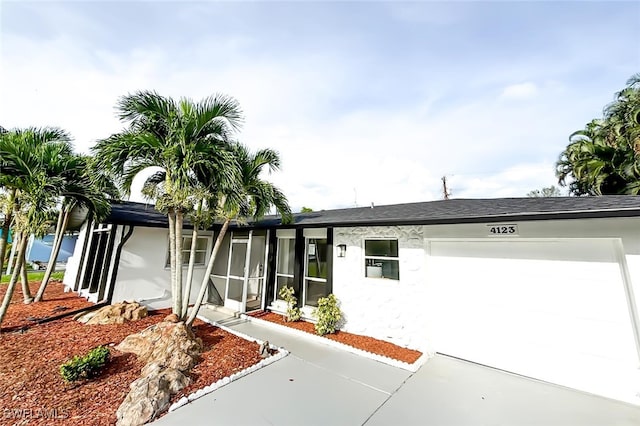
x: 253, y: 265
x: 239, y: 278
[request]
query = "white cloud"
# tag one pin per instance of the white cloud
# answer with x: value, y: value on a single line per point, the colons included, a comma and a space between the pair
x: 520, y: 91
x: 514, y: 181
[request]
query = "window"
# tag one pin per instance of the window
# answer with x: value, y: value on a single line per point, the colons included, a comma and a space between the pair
x: 221, y: 262
x: 381, y: 259
x: 315, y: 279
x: 285, y: 264
x: 202, y: 245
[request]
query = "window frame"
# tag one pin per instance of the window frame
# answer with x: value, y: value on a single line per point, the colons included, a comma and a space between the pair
x: 292, y: 241
x: 386, y: 258
x: 306, y: 278
x: 186, y: 251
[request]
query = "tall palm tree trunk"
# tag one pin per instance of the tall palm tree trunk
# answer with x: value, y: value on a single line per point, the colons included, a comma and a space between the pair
x: 205, y: 280
x: 177, y: 296
x: 8, y: 217
x: 22, y: 248
x: 172, y: 255
x: 192, y: 261
x: 61, y: 227
x: 26, y: 291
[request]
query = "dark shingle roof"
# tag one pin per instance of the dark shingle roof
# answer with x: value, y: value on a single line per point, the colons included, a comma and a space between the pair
x: 428, y: 213
x: 130, y: 213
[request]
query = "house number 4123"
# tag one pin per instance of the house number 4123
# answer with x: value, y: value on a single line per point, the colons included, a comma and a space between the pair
x: 507, y: 229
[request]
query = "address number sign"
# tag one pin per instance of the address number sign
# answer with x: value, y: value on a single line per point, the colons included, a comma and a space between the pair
x: 503, y: 229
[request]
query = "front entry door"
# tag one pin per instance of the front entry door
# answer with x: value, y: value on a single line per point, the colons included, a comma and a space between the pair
x: 236, y: 296
x: 241, y: 276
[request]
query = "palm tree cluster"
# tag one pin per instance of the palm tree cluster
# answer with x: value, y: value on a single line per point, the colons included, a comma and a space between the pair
x: 603, y: 158
x: 203, y: 174
x: 200, y: 174
x: 41, y: 178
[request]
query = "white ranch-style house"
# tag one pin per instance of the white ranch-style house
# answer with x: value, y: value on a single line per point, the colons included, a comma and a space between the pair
x: 547, y: 288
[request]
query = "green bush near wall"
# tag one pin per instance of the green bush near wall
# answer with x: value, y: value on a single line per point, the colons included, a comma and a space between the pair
x: 85, y: 367
x: 293, y: 312
x: 328, y: 314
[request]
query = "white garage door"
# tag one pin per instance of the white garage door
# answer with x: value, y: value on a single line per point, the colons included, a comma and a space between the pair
x: 552, y: 310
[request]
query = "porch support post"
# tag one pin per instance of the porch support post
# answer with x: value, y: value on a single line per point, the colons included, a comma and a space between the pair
x: 247, y: 262
x: 298, y: 263
x: 271, y: 267
x: 329, y: 261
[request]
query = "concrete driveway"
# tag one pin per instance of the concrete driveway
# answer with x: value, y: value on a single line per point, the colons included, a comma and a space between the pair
x: 449, y: 391
x: 320, y: 385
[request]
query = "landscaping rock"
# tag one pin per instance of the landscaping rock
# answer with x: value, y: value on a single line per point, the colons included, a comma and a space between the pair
x: 150, y: 395
x: 171, y: 345
x: 117, y: 313
x: 169, y: 350
x: 265, y: 350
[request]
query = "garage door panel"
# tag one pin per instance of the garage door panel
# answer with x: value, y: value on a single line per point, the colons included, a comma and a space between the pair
x: 578, y: 250
x: 539, y: 285
x: 554, y: 310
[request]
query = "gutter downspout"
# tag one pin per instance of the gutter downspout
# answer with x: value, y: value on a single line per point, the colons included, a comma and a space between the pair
x: 116, y: 263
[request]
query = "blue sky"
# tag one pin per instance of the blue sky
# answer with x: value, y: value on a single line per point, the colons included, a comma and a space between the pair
x: 365, y: 101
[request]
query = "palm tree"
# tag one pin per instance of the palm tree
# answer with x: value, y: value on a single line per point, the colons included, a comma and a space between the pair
x: 594, y: 166
x: 183, y: 138
x: 86, y: 187
x: 253, y: 197
x: 37, y: 159
x: 623, y: 116
x: 603, y: 157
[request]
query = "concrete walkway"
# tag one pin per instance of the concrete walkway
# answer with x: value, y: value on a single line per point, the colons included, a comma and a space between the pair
x: 321, y: 385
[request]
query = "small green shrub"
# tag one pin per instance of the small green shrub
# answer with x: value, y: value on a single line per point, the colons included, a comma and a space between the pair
x: 328, y: 315
x: 293, y: 312
x: 85, y: 367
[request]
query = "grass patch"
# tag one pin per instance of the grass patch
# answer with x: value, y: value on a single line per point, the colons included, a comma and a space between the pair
x: 34, y: 276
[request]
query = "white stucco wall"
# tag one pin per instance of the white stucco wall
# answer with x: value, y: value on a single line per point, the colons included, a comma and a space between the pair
x: 142, y: 275
x: 396, y: 311
x: 382, y: 308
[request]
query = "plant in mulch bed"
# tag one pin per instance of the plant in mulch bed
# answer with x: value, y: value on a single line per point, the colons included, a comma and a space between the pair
x: 328, y: 315
x: 293, y: 312
x: 85, y: 367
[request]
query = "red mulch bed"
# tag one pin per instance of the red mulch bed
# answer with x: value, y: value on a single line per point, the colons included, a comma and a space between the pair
x: 55, y: 302
x: 30, y: 359
x: 365, y: 343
